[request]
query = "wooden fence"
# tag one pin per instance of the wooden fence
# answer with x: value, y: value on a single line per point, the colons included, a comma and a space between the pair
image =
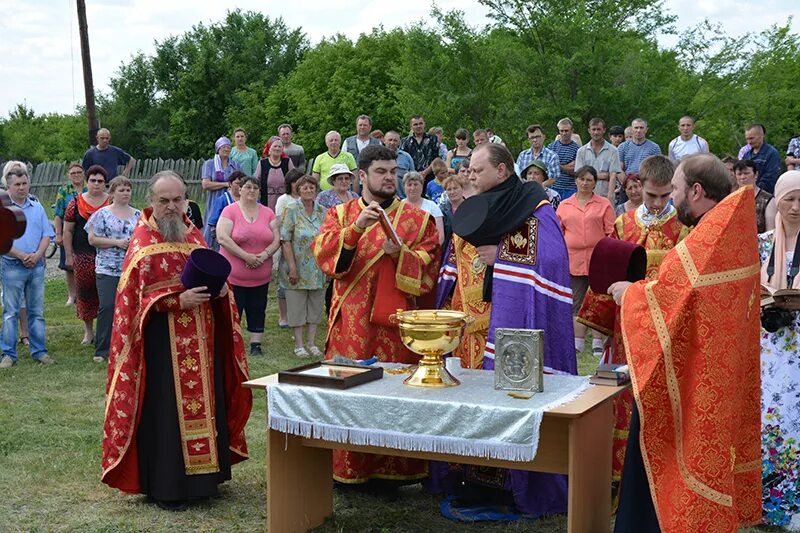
x: 48, y: 177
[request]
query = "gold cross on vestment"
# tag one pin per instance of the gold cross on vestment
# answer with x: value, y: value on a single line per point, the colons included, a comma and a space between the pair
x: 184, y: 319
x: 194, y: 406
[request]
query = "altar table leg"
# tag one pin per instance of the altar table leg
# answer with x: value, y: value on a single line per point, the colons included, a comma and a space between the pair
x: 589, y: 499
x: 299, y: 484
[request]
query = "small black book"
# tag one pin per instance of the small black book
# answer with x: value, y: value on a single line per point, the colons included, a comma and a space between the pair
x: 613, y: 382
x: 613, y: 371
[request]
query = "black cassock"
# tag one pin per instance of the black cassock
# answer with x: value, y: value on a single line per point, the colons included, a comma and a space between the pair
x: 161, y: 467
x: 636, y: 513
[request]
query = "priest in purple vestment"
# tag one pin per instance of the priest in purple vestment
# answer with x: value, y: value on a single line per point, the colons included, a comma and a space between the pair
x: 518, y: 237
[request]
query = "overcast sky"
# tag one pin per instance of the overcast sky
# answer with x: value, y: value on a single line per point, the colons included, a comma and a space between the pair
x: 40, y: 62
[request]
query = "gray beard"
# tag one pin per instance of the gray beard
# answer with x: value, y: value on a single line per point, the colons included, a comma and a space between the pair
x: 172, y: 229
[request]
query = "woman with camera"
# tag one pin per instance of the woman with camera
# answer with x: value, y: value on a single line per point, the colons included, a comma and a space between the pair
x: 779, y: 250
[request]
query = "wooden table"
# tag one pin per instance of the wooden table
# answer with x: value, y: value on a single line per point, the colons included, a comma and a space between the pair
x: 575, y: 439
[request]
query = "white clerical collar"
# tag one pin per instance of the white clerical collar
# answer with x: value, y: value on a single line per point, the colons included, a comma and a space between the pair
x: 647, y: 218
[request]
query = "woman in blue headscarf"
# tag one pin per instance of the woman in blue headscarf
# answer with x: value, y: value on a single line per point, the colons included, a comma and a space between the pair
x: 215, y: 181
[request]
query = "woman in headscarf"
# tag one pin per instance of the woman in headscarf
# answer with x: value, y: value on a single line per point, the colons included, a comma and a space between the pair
x: 215, y: 180
x: 780, y: 362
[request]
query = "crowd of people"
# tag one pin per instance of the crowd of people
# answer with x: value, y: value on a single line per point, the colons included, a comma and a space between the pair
x: 477, y: 228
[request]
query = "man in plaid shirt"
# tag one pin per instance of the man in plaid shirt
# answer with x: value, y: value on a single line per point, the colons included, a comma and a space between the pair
x: 538, y: 151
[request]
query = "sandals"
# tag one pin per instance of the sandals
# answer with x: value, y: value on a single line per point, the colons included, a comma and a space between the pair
x: 301, y: 352
x: 25, y: 341
x: 315, y: 352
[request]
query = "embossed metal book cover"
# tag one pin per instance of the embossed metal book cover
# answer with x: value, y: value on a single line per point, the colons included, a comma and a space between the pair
x: 519, y: 359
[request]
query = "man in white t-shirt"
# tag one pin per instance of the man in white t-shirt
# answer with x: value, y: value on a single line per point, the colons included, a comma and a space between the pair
x: 687, y: 143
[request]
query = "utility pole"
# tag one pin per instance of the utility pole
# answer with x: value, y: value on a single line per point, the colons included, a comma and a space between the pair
x: 88, y: 84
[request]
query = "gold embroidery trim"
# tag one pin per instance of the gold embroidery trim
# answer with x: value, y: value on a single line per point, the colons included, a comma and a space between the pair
x: 528, y: 242
x: 642, y: 421
x: 201, y: 429
x: 162, y: 247
x: 673, y: 390
x: 715, y: 278
x: 747, y: 467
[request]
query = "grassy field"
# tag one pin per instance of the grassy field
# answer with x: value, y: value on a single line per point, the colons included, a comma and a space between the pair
x: 50, y: 446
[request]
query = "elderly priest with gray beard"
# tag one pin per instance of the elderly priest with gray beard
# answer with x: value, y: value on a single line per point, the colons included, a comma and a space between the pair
x: 175, y: 411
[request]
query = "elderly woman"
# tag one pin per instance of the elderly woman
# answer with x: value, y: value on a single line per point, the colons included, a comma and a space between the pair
x: 454, y: 191
x: 412, y: 185
x: 289, y: 197
x: 64, y: 195
x: 110, y: 230
x: 746, y: 173
x: 248, y: 236
x: 306, y: 291
x: 780, y: 361
x: 537, y: 171
x: 340, y: 178
x: 271, y: 172
x: 214, y: 181
x: 585, y: 218
x: 80, y: 254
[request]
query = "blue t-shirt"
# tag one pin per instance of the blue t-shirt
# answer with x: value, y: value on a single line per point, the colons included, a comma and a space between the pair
x: 110, y: 158
x: 434, y: 191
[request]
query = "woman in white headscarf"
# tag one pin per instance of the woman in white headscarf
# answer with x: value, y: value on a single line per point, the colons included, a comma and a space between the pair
x: 780, y: 362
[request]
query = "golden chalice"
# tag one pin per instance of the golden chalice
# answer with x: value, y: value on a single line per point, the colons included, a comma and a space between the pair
x: 431, y: 333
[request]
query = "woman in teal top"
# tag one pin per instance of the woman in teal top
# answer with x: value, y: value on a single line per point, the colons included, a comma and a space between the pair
x: 305, y: 294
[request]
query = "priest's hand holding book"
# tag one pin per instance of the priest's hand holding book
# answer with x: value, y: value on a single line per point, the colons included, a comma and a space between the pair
x: 368, y: 216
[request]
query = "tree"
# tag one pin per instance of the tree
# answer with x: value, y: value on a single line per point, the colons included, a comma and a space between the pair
x: 36, y: 138
x: 174, y: 103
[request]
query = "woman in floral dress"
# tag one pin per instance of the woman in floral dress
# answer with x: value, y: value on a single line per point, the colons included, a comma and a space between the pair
x: 110, y: 230
x: 780, y: 366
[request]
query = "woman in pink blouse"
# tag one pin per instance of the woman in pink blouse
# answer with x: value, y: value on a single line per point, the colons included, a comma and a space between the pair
x: 585, y: 219
x: 249, y: 236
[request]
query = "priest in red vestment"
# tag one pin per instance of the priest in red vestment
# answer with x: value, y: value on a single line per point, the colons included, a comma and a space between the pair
x: 691, y: 334
x: 372, y: 278
x: 655, y: 226
x: 175, y: 408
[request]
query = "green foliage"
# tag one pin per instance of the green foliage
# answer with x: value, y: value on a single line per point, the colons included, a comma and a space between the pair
x: 336, y: 81
x: 174, y: 103
x: 51, y: 137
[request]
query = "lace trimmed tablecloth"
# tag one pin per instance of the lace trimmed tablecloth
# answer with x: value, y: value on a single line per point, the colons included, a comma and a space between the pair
x: 472, y: 419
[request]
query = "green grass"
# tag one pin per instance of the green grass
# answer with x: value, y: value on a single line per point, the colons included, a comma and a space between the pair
x: 51, y: 424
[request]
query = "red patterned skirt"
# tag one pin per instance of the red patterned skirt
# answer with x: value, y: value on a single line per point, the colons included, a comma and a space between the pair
x: 86, y: 302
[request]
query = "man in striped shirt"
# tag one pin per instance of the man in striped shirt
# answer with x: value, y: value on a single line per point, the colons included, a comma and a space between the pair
x: 566, y: 149
x: 637, y: 149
